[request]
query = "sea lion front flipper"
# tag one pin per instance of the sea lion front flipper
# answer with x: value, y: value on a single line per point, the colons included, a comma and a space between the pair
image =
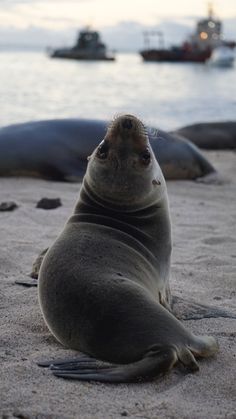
x: 37, y: 263
x: 33, y: 280
x: 156, y: 361
x: 190, y: 310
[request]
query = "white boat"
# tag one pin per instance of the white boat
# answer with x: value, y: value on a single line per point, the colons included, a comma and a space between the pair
x: 222, y: 56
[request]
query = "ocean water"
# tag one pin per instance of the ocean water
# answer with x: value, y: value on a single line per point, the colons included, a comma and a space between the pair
x: 34, y: 87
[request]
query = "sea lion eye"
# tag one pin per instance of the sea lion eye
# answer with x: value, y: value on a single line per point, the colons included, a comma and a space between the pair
x: 146, y: 157
x: 102, y: 150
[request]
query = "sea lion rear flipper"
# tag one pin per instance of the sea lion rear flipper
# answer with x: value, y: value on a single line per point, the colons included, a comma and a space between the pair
x: 155, y: 362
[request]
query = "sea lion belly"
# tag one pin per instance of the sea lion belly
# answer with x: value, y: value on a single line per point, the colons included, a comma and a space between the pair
x: 93, y: 262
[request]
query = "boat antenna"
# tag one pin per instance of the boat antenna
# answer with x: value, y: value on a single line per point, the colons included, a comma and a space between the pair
x: 210, y: 10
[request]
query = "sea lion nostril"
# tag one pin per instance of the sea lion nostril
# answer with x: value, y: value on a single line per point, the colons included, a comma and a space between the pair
x: 127, y: 124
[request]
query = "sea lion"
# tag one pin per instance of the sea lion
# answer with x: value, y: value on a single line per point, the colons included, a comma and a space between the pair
x: 211, y: 135
x: 58, y: 150
x: 104, y: 284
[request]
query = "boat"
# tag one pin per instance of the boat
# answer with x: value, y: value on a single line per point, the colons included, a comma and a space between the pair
x: 198, y: 48
x: 222, y: 56
x: 88, y: 47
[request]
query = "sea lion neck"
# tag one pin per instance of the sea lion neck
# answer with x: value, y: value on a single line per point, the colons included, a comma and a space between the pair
x: 89, y: 201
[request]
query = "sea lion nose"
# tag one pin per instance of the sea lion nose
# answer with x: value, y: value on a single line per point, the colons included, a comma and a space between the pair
x: 127, y: 123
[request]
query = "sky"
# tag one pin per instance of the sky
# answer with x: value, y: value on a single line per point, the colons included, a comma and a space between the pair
x: 21, y: 16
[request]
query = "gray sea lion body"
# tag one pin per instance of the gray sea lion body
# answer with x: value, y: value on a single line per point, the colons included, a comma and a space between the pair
x: 211, y: 135
x: 104, y: 284
x: 58, y: 150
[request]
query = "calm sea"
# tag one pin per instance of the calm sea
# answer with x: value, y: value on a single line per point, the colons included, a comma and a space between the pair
x: 34, y: 87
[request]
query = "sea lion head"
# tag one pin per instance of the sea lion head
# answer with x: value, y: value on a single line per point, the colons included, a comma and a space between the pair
x: 123, y: 169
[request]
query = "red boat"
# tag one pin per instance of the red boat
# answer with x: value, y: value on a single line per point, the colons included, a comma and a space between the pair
x: 198, y: 48
x: 176, y: 54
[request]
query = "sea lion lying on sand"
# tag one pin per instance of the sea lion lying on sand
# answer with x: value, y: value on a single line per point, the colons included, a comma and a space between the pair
x: 210, y: 135
x: 58, y: 149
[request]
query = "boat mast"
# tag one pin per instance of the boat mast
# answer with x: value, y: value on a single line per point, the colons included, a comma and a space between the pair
x: 148, y: 34
x: 210, y: 10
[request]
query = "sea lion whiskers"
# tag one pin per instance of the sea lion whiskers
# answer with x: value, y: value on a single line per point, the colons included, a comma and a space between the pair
x: 128, y: 124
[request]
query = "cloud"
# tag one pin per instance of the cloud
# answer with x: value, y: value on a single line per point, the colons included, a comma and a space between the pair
x: 17, y: 3
x: 229, y: 28
x: 129, y: 35
x: 35, y: 37
x: 122, y: 36
x: 53, y: 14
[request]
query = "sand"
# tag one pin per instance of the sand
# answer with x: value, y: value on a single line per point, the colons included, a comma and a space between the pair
x: 203, y: 269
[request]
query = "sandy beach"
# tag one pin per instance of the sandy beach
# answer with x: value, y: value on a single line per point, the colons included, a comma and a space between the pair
x: 203, y: 270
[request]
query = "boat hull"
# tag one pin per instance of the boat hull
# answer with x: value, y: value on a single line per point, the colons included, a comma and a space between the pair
x: 178, y: 55
x: 71, y: 55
